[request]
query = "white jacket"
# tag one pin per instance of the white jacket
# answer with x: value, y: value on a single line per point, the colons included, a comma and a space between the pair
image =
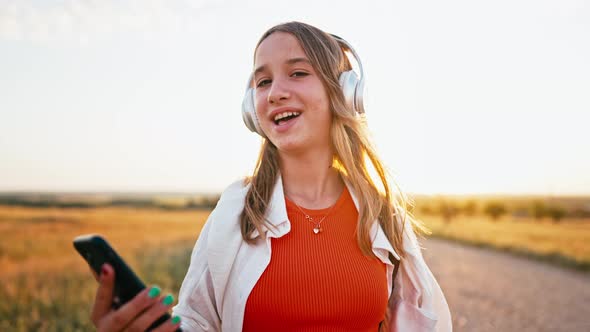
x: 224, y: 269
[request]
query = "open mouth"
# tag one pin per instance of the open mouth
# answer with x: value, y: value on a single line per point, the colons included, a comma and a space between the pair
x: 285, y: 117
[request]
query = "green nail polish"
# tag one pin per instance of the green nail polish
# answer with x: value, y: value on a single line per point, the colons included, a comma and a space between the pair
x: 168, y: 299
x: 175, y: 320
x: 154, y: 291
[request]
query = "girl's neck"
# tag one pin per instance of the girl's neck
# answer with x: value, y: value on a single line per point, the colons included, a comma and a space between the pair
x: 310, y: 181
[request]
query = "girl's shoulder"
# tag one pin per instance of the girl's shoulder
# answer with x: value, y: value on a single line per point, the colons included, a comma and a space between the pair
x: 235, y: 191
x: 231, y: 201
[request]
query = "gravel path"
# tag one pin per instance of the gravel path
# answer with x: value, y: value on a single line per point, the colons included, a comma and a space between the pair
x: 495, y: 291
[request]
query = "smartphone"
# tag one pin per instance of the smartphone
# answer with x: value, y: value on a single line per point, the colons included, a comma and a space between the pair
x: 97, y: 251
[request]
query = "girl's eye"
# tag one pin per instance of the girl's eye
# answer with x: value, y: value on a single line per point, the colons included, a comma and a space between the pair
x: 300, y: 74
x: 262, y: 83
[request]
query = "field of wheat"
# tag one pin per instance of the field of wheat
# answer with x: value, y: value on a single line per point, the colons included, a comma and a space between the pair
x: 46, y: 286
x: 565, y: 243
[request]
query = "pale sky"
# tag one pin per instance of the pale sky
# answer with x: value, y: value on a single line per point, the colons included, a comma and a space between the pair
x: 464, y: 96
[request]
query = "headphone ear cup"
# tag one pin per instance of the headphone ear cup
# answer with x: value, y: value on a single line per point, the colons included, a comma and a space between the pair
x: 249, y: 113
x: 359, y: 94
x: 349, y: 83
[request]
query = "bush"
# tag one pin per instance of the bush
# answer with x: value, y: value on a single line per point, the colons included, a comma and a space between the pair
x: 556, y: 213
x: 447, y: 209
x: 495, y: 210
x: 538, y: 209
x: 469, y: 208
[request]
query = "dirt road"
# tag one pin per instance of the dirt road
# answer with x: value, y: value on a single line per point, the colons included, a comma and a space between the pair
x: 494, y: 291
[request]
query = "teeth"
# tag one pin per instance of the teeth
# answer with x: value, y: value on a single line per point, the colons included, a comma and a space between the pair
x: 284, y: 115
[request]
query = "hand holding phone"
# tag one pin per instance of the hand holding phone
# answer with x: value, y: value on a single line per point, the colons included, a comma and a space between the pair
x: 120, y: 289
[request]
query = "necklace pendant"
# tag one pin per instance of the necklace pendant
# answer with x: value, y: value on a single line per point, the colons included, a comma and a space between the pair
x: 316, y: 230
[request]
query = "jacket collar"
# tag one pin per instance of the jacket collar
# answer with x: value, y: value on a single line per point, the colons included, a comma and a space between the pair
x: 380, y: 241
x: 277, y: 216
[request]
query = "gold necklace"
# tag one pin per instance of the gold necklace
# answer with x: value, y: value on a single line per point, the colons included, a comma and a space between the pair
x: 318, y: 226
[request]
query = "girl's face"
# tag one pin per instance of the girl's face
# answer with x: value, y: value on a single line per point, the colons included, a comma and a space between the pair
x: 291, y: 102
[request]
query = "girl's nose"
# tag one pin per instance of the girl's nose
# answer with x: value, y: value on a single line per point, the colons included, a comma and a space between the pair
x: 278, y: 91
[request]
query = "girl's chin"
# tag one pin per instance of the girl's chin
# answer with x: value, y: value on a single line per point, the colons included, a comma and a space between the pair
x: 288, y: 145
x: 297, y: 143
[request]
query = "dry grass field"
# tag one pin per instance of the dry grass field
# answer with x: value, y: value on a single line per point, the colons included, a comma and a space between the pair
x: 41, y: 239
x: 46, y: 286
x: 566, y: 242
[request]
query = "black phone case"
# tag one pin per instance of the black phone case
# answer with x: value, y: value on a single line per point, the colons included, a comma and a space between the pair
x: 97, y: 251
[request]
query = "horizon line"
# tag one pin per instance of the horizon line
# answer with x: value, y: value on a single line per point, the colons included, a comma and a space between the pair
x: 213, y: 192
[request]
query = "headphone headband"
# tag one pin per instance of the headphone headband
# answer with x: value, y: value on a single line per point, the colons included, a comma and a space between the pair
x: 349, y: 47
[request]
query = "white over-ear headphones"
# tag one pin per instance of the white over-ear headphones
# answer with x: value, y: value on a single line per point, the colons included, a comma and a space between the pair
x: 352, y: 86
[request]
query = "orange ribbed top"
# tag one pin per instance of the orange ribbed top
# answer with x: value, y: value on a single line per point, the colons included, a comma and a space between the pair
x: 319, y: 282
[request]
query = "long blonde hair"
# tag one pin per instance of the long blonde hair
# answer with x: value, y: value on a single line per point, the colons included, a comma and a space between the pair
x: 354, y: 156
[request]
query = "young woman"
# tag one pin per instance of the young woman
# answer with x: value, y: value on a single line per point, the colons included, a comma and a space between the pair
x: 311, y: 241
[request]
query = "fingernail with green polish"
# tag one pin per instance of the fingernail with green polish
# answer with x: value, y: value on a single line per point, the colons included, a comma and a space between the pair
x: 168, y: 299
x: 175, y: 320
x: 154, y: 291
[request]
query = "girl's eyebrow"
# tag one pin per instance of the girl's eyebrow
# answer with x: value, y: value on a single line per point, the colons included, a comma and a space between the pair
x: 289, y: 62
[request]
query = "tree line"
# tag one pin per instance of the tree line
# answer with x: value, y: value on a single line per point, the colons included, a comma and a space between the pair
x: 54, y: 201
x: 495, y: 209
